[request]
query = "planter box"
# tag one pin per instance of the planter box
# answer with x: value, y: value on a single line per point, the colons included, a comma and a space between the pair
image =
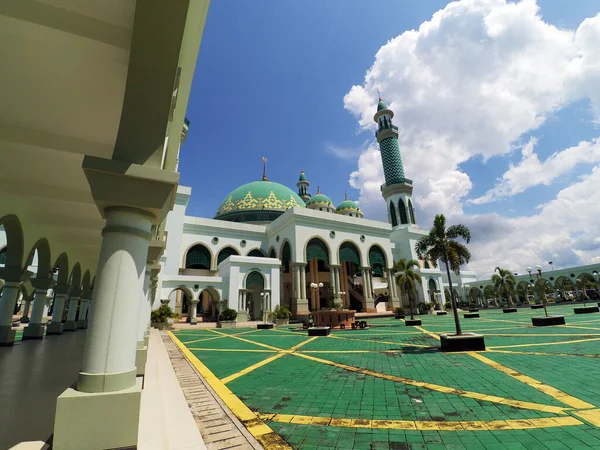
x: 473, y: 315
x: 282, y: 322
x: 399, y: 316
x: 160, y: 326
x: 319, y: 331
x: 509, y: 310
x: 473, y: 309
x: 414, y: 322
x: 586, y: 310
x: 547, y: 321
x: 264, y: 326
x: 466, y: 342
x: 441, y: 313
x: 537, y: 306
x: 227, y: 324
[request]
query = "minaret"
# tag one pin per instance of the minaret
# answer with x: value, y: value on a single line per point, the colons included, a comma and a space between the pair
x: 397, y: 190
x: 303, y: 187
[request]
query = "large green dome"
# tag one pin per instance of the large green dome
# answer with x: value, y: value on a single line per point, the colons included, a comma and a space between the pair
x: 259, y: 201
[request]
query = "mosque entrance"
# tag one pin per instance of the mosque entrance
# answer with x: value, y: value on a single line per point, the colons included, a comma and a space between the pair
x: 255, y: 285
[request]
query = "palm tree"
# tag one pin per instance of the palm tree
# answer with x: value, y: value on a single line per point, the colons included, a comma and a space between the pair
x: 441, y: 244
x: 504, y: 282
x: 406, y: 280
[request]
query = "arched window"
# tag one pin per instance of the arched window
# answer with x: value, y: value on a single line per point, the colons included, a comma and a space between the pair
x: 256, y: 252
x: 198, y: 257
x: 349, y: 252
x: 402, y: 210
x: 286, y: 257
x: 255, y: 280
x: 226, y: 253
x: 377, y: 260
x: 426, y: 264
x: 272, y: 253
x: 411, y: 211
x: 393, y: 216
x: 316, y: 248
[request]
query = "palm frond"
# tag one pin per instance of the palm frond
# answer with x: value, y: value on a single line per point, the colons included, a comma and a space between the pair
x: 459, y: 231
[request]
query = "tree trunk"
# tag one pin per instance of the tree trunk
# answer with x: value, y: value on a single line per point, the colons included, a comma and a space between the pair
x: 454, y: 307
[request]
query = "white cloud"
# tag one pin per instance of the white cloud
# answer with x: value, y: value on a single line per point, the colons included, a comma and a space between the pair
x: 531, y: 172
x: 472, y: 81
x: 346, y: 153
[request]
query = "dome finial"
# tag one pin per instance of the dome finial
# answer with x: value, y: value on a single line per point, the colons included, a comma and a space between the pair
x: 264, y: 161
x: 318, y: 189
x: 379, y: 95
x: 345, y: 195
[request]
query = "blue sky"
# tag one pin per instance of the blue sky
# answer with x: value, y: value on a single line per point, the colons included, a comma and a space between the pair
x: 274, y: 78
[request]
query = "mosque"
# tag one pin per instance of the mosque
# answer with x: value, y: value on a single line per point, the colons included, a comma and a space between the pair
x: 268, y: 245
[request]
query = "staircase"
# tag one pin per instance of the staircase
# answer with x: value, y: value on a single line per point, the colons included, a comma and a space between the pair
x: 357, y: 299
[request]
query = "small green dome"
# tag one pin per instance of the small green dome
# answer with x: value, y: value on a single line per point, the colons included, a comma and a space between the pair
x: 381, y: 105
x: 259, y: 201
x: 347, y: 205
x: 302, y: 176
x: 320, y: 200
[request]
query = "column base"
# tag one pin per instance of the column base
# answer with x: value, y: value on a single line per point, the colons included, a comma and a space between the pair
x: 82, y: 324
x: 70, y: 325
x: 242, y: 316
x: 87, y: 421
x: 33, y: 331
x: 54, y: 328
x: 24, y: 319
x: 7, y: 336
x: 395, y: 303
x: 141, y: 355
x: 146, y: 339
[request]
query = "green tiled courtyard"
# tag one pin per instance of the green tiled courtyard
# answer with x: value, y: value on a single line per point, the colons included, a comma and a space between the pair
x: 389, y: 387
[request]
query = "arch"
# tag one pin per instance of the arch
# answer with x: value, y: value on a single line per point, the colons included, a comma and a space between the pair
x: 426, y: 264
x: 257, y: 252
x: 317, y: 249
x: 225, y: 253
x: 272, y: 253
x: 348, y: 251
x: 43, y: 258
x: 432, y: 285
x: 286, y: 255
x: 62, y: 266
x: 402, y: 211
x: 254, y: 279
x: 3, y: 255
x: 393, y: 215
x: 14, y: 240
x: 377, y: 260
x: 198, y: 256
x: 186, y: 290
x: 85, y: 281
x: 75, y: 277
x: 411, y: 211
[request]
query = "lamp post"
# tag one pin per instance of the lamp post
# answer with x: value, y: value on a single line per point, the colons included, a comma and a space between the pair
x: 316, y: 287
x: 341, y: 295
x: 265, y: 301
x: 551, y: 265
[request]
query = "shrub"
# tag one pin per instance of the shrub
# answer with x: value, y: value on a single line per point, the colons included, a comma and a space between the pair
x: 161, y: 315
x: 228, y: 314
x: 448, y: 305
x: 282, y: 312
x: 400, y: 311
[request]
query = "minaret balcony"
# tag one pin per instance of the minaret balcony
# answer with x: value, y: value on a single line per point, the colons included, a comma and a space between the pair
x: 387, y: 132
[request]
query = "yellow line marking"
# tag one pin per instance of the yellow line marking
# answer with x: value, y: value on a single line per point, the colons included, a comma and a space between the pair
x: 548, y: 390
x: 262, y: 432
x: 544, y: 343
x: 428, y: 333
x: 231, y: 350
x: 369, y: 341
x: 234, y: 336
x: 536, y: 335
x: 515, y: 352
x: 264, y: 362
x: 438, y: 388
x: 580, y: 328
x: 215, y: 337
x: 473, y: 425
x: 591, y: 415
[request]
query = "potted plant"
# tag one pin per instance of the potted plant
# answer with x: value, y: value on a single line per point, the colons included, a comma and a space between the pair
x: 159, y: 318
x: 227, y: 318
x: 282, y: 315
x: 399, y: 313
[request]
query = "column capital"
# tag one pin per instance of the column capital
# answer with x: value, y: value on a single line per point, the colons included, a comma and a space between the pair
x: 155, y: 251
x: 117, y: 183
x: 42, y: 283
x: 335, y: 266
x: 61, y: 288
x: 298, y: 264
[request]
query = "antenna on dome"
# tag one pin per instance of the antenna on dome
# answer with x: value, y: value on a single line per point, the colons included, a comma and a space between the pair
x: 264, y: 161
x: 379, y: 95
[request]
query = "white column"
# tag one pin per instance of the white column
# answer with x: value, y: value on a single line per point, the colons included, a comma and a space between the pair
x: 47, y: 301
x: 193, y: 311
x: 334, y: 284
x: 110, y: 348
x: 10, y: 293
x: 302, y: 282
x: 70, y: 324
x: 393, y: 289
x: 35, y: 330
x: 367, y: 288
x: 143, y: 304
x: 25, y: 315
x: 83, y: 310
x: 56, y: 326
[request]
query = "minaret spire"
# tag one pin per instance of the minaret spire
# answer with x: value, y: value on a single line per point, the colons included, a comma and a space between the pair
x: 303, y: 187
x: 264, y: 161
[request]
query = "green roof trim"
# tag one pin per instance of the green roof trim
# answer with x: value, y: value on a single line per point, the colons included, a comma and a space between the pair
x: 348, y: 205
x: 319, y: 199
x: 302, y: 176
x: 381, y: 105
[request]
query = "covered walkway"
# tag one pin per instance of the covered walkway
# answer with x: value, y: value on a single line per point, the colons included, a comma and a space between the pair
x: 33, y: 374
